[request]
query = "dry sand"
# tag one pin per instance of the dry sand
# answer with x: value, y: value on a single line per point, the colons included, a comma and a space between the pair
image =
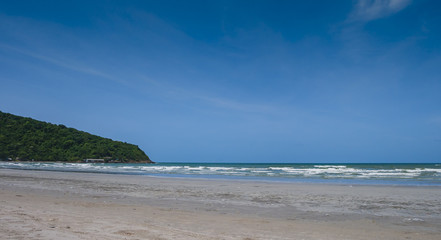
x: 57, y: 205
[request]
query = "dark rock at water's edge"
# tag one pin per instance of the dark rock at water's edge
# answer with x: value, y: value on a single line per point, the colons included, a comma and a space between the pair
x: 27, y: 139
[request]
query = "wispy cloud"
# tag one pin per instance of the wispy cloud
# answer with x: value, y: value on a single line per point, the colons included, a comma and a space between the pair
x: 368, y: 10
x: 205, y: 97
x: 62, y: 63
x: 358, y: 43
x: 140, y: 79
x: 435, y: 120
x: 236, y: 105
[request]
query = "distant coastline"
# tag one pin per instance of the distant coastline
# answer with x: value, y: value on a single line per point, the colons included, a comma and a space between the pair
x: 82, y: 161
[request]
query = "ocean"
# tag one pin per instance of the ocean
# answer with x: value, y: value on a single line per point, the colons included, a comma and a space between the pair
x: 374, y: 174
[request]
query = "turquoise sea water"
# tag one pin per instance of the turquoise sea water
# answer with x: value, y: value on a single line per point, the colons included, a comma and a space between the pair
x: 399, y: 174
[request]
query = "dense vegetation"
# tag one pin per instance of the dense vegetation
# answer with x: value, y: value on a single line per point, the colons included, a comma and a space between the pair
x: 28, y: 139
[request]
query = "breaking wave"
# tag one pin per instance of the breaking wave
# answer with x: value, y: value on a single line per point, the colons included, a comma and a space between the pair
x: 416, y: 173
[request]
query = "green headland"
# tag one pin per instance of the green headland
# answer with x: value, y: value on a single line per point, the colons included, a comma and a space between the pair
x: 27, y: 139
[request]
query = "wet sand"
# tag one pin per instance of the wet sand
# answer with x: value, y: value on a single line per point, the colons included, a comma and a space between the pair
x: 62, y: 205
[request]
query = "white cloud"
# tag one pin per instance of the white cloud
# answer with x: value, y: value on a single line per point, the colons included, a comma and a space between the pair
x: 368, y: 10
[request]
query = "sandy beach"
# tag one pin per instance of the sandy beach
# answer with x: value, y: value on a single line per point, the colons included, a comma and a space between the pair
x: 65, y: 205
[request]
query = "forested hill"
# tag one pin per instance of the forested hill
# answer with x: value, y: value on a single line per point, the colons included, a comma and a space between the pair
x: 27, y: 139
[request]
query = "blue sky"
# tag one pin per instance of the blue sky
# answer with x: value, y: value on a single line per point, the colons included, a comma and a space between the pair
x: 232, y: 81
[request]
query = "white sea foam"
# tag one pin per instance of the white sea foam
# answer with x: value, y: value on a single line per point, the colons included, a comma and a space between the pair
x: 432, y: 170
x: 329, y: 166
x: 430, y: 173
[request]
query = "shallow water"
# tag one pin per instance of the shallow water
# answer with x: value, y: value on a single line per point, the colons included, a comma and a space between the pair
x: 401, y: 174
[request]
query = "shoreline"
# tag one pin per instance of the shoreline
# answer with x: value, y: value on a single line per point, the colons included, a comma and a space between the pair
x: 232, y: 179
x: 399, y: 175
x: 206, y: 208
